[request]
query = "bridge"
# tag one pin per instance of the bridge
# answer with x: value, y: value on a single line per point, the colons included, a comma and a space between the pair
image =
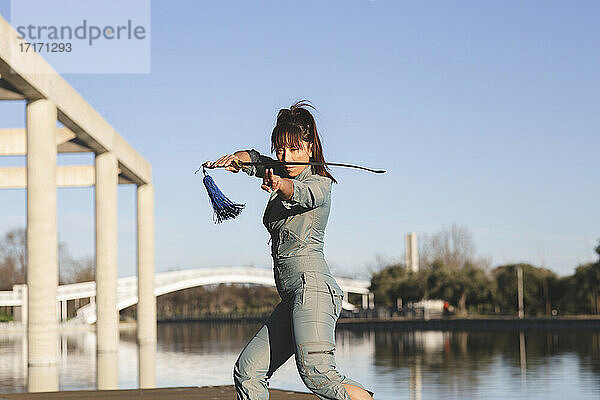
x: 166, y: 282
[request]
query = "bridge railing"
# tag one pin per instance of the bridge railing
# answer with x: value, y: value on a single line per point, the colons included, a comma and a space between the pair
x: 10, y: 298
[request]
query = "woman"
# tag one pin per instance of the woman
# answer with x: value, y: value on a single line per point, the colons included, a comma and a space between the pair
x: 303, y: 323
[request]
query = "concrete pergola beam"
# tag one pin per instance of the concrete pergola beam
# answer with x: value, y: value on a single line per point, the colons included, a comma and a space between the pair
x: 73, y: 111
x: 13, y: 142
x: 8, y: 92
x: 66, y: 176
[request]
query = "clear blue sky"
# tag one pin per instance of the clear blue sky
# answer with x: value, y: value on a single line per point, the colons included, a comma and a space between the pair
x: 485, y: 114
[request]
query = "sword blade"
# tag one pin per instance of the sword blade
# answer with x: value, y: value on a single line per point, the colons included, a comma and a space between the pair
x: 377, y: 171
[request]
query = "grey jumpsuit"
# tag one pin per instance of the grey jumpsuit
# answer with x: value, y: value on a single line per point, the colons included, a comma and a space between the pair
x: 303, y: 323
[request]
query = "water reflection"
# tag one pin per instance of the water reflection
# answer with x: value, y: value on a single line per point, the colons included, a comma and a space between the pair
x: 42, y: 378
x: 394, y: 363
x: 147, y: 365
x: 522, y: 356
x: 415, y: 380
x: 107, y: 368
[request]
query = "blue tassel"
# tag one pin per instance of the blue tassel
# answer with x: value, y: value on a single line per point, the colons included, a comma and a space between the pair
x: 222, y: 206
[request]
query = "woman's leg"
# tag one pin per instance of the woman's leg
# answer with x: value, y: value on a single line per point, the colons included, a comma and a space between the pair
x: 265, y: 352
x: 314, y: 314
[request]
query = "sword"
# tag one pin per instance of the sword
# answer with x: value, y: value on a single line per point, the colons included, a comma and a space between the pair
x: 245, y: 165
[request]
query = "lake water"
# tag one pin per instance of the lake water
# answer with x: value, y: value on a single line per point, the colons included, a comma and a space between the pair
x: 395, y: 364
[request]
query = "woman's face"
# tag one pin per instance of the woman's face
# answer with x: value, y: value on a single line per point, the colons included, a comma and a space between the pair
x: 295, y: 154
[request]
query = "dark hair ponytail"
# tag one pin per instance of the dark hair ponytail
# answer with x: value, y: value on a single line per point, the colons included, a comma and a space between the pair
x: 295, y: 124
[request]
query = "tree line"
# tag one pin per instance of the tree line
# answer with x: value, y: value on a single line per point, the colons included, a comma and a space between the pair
x: 13, y: 262
x: 449, y: 271
x: 212, y: 301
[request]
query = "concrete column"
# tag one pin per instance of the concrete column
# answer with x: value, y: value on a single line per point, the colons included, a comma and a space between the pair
x: 146, y: 307
x: 365, y: 301
x: 107, y: 370
x: 42, y: 378
x: 147, y: 365
x: 42, y: 251
x: 107, y: 325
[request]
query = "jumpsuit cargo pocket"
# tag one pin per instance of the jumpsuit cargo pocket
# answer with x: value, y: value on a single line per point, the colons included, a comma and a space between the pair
x: 306, y: 289
x: 309, y: 282
x: 336, y: 299
x: 317, y: 361
x: 303, y: 295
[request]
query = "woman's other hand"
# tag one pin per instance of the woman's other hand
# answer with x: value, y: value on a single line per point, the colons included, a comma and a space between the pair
x: 271, y: 181
x: 231, y: 162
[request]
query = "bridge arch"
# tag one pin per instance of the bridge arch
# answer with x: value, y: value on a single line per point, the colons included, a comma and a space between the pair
x: 169, y: 282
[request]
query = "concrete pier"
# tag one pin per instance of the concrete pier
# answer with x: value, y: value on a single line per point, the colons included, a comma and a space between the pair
x: 107, y: 370
x: 147, y: 365
x: 146, y: 308
x: 107, y: 325
x: 42, y: 378
x: 42, y: 253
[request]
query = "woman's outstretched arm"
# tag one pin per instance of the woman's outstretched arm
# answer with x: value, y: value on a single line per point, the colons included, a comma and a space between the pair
x: 227, y: 161
x: 246, y: 156
x: 243, y: 155
x: 259, y: 170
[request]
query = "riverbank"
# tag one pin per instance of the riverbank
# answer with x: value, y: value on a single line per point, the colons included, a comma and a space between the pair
x: 182, y: 393
x: 443, y: 323
x: 402, y: 323
x: 477, y: 323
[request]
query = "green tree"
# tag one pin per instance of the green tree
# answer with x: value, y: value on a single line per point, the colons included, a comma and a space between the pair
x: 384, y: 284
x: 468, y: 287
x: 584, y: 291
x: 538, y: 286
x: 410, y: 288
